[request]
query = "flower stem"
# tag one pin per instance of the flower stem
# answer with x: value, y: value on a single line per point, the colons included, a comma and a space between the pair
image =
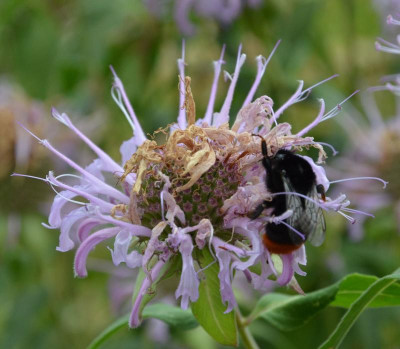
x: 245, y: 334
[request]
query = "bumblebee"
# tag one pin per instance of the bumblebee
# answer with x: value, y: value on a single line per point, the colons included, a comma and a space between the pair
x: 289, y: 173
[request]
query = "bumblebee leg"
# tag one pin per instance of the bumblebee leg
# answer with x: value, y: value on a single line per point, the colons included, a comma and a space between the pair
x: 264, y: 148
x: 261, y: 207
x: 267, y: 164
x: 321, y: 191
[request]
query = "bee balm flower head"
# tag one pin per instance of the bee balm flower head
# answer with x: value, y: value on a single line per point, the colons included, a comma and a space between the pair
x: 189, y: 197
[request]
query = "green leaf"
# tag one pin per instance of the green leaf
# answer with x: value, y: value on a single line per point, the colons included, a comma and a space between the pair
x: 357, y: 308
x: 209, y: 309
x: 352, y: 286
x: 290, y: 312
x: 109, y: 331
x: 173, y: 316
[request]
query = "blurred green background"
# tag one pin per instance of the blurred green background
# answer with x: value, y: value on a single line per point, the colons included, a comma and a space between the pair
x: 59, y: 52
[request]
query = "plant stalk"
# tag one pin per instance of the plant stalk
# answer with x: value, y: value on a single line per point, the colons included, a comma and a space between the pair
x: 245, y: 334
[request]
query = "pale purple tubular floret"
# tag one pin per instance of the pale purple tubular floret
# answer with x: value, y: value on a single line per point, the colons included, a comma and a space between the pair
x: 80, y: 190
x: 218, y: 244
x: 391, y: 20
x: 287, y: 269
x: 262, y: 282
x: 59, y: 202
x: 290, y: 266
x: 137, y: 230
x: 338, y: 205
x: 214, y: 88
x: 300, y: 257
x: 223, y: 116
x: 299, y: 95
x: 108, y: 163
x: 123, y: 103
x: 395, y: 89
x: 319, y: 172
x: 225, y: 278
x: 182, y: 122
x: 66, y: 242
x: 85, y: 226
x: 296, y: 97
x: 96, y: 167
x: 173, y: 210
x: 262, y: 64
x: 120, y: 252
x: 392, y: 84
x: 188, y: 287
x: 316, y: 121
x: 154, y: 244
x: 386, y: 46
x: 134, y: 320
x: 254, y: 253
x: 97, y: 183
x: 230, y: 257
x: 87, y: 245
x: 338, y: 108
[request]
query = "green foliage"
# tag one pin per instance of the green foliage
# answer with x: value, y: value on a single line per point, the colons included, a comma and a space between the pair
x: 109, y: 331
x: 290, y: 312
x: 355, y: 310
x: 173, y: 316
x: 353, y: 286
x: 209, y: 309
x: 355, y: 292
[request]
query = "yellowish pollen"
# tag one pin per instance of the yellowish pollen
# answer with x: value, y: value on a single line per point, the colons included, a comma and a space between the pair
x: 189, y: 105
x: 118, y: 208
x: 144, y: 156
x: 133, y: 209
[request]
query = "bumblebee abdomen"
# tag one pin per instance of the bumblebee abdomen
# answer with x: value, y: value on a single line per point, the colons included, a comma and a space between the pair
x: 277, y: 247
x: 281, y: 234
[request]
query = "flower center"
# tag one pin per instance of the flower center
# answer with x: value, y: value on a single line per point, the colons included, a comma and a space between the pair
x: 202, y: 200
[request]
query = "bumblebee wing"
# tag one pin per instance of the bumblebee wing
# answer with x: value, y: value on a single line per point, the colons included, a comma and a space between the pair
x: 317, y: 225
x: 293, y: 203
x: 307, y: 217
